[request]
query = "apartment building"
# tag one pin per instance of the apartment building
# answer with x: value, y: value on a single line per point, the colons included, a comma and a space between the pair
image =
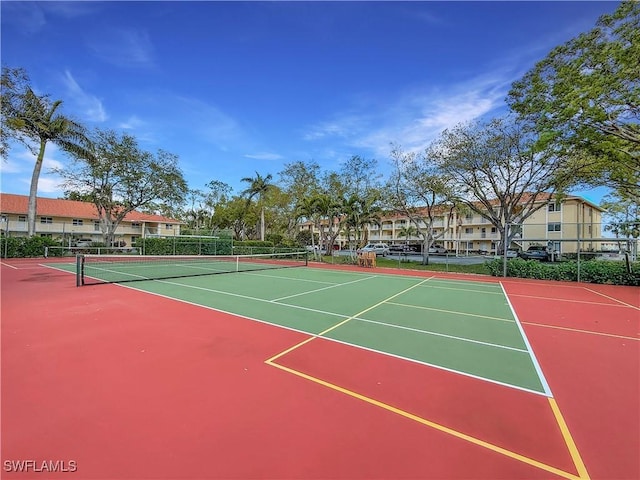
x: 560, y: 224
x: 69, y: 221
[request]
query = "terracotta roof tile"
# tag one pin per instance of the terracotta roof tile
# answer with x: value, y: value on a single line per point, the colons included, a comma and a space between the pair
x: 55, y: 207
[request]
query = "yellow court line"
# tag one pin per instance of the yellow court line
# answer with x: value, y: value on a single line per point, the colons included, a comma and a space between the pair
x: 324, y: 332
x: 611, y: 298
x: 582, y: 331
x: 447, y: 430
x: 573, y: 450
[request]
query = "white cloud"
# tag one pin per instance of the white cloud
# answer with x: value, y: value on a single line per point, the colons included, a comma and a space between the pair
x: 212, y: 124
x: 49, y: 184
x: 133, y: 122
x: 10, y: 166
x: 29, y: 16
x: 90, y: 105
x: 125, y: 48
x: 264, y: 156
x: 415, y: 117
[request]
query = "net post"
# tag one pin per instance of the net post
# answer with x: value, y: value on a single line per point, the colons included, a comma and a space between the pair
x: 79, y: 270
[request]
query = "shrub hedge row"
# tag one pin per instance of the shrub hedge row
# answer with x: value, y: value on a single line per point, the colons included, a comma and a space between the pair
x: 591, y: 271
x: 22, y: 247
x: 184, y: 246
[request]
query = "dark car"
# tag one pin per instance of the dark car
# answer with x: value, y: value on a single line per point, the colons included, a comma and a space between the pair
x: 396, y: 248
x: 535, y: 252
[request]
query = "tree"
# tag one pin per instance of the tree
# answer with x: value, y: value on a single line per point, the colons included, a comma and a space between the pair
x: 308, y: 209
x: 258, y: 187
x: 421, y: 192
x: 298, y: 181
x: 330, y: 211
x: 34, y: 121
x: 496, y: 171
x: 623, y: 217
x: 358, y: 215
x: 120, y: 178
x: 407, y: 231
x: 583, y: 100
x: 13, y: 84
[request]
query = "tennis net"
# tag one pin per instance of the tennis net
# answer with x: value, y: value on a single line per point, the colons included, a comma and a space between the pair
x: 95, y: 269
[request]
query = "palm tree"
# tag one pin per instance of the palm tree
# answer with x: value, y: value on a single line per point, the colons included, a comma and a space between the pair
x: 408, y: 231
x: 258, y: 186
x: 36, y: 121
x: 308, y: 209
x: 329, y: 209
x: 359, y: 214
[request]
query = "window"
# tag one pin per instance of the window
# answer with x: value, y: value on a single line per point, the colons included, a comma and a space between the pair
x: 3, y: 218
x: 554, y: 227
x: 96, y: 226
x: 46, y: 220
x: 135, y: 224
x: 468, y: 230
x: 554, y: 207
x: 22, y: 218
x: 46, y: 235
x: 168, y: 226
x: 77, y: 222
x: 494, y: 230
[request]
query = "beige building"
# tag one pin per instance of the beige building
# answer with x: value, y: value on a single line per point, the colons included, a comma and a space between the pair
x: 69, y: 221
x: 560, y: 225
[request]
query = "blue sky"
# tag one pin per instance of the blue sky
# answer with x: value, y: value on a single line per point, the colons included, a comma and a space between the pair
x: 238, y: 87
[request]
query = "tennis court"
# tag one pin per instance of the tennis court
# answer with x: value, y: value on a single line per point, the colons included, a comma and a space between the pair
x: 275, y: 372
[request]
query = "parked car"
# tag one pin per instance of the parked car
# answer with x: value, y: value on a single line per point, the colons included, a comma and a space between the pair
x: 535, y: 252
x: 614, y: 256
x: 511, y: 253
x: 401, y: 248
x: 378, y: 248
x: 83, y: 242
x: 437, y: 250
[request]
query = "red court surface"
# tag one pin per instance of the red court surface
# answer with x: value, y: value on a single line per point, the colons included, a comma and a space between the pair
x: 121, y: 384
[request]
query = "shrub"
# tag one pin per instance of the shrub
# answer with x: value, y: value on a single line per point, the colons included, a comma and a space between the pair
x: 590, y: 271
x: 22, y: 247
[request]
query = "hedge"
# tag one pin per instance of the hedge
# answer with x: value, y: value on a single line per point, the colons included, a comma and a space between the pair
x: 22, y: 247
x: 591, y: 271
x: 184, y: 246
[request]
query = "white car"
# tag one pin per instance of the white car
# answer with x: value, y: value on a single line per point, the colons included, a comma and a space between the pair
x: 437, y: 249
x: 378, y: 248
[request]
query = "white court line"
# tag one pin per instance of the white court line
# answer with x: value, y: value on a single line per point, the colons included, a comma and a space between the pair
x: 10, y: 266
x: 510, y: 320
x: 536, y: 364
x: 453, y: 337
x: 323, y: 288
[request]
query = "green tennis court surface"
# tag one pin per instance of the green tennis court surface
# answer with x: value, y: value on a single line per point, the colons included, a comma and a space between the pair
x: 462, y: 326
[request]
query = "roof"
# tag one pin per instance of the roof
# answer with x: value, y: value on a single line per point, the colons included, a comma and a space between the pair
x: 56, y: 207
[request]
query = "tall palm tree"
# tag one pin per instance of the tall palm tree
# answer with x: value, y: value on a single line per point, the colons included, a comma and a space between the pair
x: 36, y: 121
x: 258, y: 187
